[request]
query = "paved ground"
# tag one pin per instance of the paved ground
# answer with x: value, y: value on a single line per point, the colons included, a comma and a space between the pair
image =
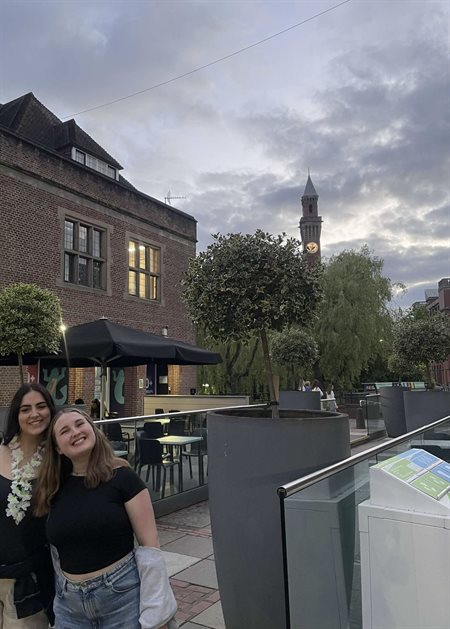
x: 185, y: 538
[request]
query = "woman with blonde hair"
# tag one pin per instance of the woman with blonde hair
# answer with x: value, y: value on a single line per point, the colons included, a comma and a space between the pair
x: 26, y: 573
x: 96, y: 505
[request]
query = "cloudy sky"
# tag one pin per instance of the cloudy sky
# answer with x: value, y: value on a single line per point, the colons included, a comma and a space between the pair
x: 359, y: 95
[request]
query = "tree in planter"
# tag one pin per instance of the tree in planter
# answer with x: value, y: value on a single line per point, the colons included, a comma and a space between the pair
x: 246, y: 284
x: 296, y: 351
x: 420, y: 338
x: 30, y: 319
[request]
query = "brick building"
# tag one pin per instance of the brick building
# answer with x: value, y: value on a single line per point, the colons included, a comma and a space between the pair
x: 70, y: 222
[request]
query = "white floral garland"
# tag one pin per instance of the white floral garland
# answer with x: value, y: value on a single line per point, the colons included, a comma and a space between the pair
x: 19, y: 499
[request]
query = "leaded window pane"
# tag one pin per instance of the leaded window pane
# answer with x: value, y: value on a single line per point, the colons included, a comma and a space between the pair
x: 68, y: 234
x: 83, y: 271
x: 96, y: 243
x: 83, y: 239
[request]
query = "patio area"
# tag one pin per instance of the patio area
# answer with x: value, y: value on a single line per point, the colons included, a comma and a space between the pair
x: 186, y: 540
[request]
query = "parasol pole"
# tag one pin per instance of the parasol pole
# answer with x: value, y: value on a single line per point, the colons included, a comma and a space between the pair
x: 103, y: 390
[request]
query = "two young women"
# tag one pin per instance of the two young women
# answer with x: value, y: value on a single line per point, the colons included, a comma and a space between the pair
x: 94, y: 505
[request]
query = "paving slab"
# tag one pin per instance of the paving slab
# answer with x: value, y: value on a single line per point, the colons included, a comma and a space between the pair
x: 191, y: 545
x: 201, y: 573
x: 191, y: 625
x: 165, y: 536
x: 211, y: 617
x: 176, y: 563
x: 196, y: 516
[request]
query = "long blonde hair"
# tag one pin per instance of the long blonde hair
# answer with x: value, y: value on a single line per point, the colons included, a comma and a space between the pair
x: 56, y: 467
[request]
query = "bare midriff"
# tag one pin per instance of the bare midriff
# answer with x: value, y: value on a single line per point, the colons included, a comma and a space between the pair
x: 78, y: 578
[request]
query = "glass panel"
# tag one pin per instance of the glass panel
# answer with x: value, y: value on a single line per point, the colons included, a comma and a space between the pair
x: 143, y: 286
x: 142, y: 257
x: 96, y: 243
x: 111, y: 172
x: 154, y: 260
x: 132, y: 253
x: 69, y: 266
x: 329, y: 552
x: 68, y: 234
x: 80, y: 157
x: 83, y: 239
x: 153, y: 287
x: 97, y: 274
x: 132, y: 279
x: 83, y: 272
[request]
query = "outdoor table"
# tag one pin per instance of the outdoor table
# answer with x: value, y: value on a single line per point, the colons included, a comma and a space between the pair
x: 179, y: 441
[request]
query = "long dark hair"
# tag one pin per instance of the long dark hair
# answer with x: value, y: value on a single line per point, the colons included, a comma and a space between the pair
x: 12, y: 426
x: 57, y: 467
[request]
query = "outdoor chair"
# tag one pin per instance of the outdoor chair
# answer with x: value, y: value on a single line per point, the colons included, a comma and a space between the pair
x: 159, y: 411
x: 177, y: 427
x: 153, y: 430
x: 151, y: 456
x: 118, y: 437
x: 193, y: 452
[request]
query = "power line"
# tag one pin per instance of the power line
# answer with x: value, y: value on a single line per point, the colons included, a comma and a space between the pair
x: 211, y: 63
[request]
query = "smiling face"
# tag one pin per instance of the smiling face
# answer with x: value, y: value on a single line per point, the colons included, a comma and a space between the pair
x: 74, y: 436
x: 34, y: 414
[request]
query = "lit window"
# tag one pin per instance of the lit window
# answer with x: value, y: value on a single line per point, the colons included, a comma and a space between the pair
x: 144, y: 271
x: 83, y: 261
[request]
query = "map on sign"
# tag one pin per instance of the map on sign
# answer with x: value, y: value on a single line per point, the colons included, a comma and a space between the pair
x: 421, y: 470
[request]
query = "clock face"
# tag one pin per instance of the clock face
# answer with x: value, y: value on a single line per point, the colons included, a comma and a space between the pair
x: 312, y: 247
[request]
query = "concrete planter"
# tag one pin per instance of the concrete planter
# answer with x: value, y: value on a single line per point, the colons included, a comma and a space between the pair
x: 405, y: 410
x: 250, y: 456
x: 424, y: 407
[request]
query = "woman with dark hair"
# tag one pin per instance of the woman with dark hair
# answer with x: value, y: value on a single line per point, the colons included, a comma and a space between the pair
x: 96, y: 506
x: 26, y: 574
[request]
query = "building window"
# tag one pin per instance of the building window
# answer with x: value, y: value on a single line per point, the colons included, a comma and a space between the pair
x: 94, y: 163
x: 144, y: 271
x: 84, y: 259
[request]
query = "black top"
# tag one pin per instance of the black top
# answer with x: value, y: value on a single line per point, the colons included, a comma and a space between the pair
x: 18, y: 541
x: 25, y: 557
x: 90, y: 527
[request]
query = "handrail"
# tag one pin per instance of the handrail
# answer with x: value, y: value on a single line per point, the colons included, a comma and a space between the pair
x: 306, y: 481
x: 136, y: 418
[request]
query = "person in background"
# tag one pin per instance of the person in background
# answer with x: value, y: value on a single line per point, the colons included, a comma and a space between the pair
x: 316, y: 387
x: 96, y: 505
x: 26, y: 573
x: 332, y: 406
x: 79, y: 400
x: 307, y: 386
x: 95, y: 409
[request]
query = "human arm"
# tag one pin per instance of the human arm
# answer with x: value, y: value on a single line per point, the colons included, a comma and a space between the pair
x: 142, y: 518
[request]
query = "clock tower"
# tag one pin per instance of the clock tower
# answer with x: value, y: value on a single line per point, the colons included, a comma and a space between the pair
x: 310, y: 223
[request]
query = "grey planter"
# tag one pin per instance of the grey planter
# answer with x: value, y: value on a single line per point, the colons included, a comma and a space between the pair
x: 393, y: 410
x: 424, y: 407
x: 300, y: 399
x: 249, y: 458
x: 405, y: 410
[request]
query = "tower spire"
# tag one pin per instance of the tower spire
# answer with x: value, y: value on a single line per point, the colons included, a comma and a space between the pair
x: 310, y: 222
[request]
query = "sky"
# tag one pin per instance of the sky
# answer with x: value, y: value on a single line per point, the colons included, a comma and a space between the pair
x: 358, y: 95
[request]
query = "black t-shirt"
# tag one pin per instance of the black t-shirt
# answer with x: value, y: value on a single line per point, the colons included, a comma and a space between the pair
x: 90, y: 527
x: 18, y: 541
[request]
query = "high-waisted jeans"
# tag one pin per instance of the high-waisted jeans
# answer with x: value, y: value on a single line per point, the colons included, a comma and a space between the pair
x: 109, y: 601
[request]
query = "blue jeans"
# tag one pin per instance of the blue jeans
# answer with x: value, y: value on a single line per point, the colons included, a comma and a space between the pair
x: 110, y: 601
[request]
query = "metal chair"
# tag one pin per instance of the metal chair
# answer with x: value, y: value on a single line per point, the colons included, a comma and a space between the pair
x: 193, y: 452
x: 153, y: 430
x: 151, y: 456
x: 116, y: 435
x: 159, y: 411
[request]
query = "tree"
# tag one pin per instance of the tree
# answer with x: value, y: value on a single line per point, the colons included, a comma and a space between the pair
x: 249, y: 284
x: 296, y: 351
x: 30, y: 319
x: 354, y: 324
x: 420, y: 337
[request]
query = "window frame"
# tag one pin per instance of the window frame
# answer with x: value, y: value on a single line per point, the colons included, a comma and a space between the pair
x: 147, y: 281
x: 74, y: 256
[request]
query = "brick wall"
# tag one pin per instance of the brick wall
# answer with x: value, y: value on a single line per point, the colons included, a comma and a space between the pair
x: 39, y: 189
